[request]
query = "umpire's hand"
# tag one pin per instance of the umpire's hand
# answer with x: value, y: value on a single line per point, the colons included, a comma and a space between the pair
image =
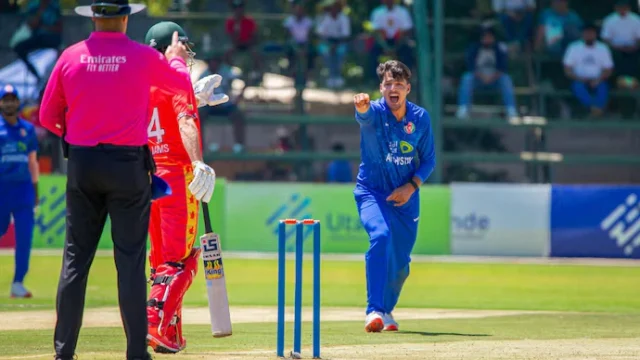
x: 362, y: 103
x: 176, y: 49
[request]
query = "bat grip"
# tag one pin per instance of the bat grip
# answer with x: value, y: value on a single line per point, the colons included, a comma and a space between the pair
x: 207, y: 218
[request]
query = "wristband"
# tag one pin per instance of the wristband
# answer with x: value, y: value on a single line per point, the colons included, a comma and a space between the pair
x: 413, y: 183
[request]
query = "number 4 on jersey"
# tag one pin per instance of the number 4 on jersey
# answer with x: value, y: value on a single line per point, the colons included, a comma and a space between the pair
x: 155, y: 130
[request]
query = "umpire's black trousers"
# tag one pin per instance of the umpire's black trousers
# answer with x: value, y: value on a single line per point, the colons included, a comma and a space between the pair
x: 103, y: 180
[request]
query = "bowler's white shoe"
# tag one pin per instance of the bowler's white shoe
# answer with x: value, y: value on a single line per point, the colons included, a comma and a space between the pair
x: 390, y: 323
x: 374, y: 322
x: 19, y: 291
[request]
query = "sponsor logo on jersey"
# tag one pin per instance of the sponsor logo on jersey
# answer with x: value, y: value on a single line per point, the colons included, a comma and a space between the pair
x: 399, y: 160
x: 393, y: 147
x: 405, y: 147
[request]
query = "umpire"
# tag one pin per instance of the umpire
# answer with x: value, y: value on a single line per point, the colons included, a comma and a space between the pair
x: 96, y: 99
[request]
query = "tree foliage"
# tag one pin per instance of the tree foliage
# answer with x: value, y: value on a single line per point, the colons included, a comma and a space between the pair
x: 158, y: 7
x: 154, y: 7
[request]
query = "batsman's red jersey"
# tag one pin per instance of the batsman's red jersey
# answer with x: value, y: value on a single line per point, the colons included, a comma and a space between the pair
x: 165, y: 108
x: 174, y: 218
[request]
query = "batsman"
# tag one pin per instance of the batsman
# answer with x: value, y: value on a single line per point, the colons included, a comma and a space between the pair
x: 397, y: 157
x: 174, y: 139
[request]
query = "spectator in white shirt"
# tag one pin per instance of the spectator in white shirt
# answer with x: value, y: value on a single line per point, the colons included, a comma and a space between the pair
x: 393, y: 26
x: 621, y: 30
x: 299, y: 26
x: 588, y: 63
x: 334, y: 30
x: 517, y: 19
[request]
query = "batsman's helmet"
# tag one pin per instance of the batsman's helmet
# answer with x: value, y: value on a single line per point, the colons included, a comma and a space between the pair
x: 160, y: 35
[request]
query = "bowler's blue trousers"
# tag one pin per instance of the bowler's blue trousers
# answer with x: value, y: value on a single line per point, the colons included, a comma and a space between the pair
x: 392, y: 235
x: 18, y: 199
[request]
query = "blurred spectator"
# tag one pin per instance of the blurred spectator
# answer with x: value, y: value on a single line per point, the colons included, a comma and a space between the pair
x: 243, y: 31
x: 589, y: 65
x: 180, y: 5
x: 339, y: 170
x: 9, y: 6
x: 482, y: 10
x: 558, y: 27
x: 42, y: 29
x: 299, y: 46
x: 516, y: 17
x: 393, y: 26
x: 284, y: 142
x: 229, y: 109
x: 334, y: 30
x: 486, y: 69
x: 621, y: 30
x: 281, y: 170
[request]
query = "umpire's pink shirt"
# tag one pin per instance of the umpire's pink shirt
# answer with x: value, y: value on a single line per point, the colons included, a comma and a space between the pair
x: 99, y: 90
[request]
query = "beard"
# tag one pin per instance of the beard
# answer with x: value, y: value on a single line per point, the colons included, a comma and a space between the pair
x: 9, y: 112
x: 395, y: 106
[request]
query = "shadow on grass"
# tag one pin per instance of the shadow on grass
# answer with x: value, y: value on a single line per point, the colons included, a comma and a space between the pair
x: 425, y: 333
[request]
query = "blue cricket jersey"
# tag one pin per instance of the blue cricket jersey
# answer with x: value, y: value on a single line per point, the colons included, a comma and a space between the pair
x: 16, y: 143
x: 394, y: 151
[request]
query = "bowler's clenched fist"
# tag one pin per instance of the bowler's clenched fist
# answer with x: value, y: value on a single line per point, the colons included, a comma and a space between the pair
x: 361, y: 101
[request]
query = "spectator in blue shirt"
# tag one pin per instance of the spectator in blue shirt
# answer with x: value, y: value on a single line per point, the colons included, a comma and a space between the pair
x: 43, y: 25
x: 339, y: 170
x: 516, y: 17
x: 558, y: 27
x: 486, y: 69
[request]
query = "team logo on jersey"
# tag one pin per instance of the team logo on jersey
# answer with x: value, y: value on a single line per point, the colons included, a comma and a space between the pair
x: 23, y: 132
x: 410, y: 128
x: 405, y: 147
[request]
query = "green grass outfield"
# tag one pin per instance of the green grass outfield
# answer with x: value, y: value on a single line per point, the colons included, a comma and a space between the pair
x: 598, y: 302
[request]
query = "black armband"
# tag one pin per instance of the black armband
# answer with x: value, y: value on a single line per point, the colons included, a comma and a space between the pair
x: 413, y: 183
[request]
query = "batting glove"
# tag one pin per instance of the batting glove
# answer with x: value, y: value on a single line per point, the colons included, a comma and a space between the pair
x: 204, y: 91
x: 204, y: 181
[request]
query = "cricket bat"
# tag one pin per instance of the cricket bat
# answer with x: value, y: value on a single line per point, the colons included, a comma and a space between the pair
x: 215, y: 279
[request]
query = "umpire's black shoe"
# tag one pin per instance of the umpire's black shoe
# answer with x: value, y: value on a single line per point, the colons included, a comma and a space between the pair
x: 74, y: 357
